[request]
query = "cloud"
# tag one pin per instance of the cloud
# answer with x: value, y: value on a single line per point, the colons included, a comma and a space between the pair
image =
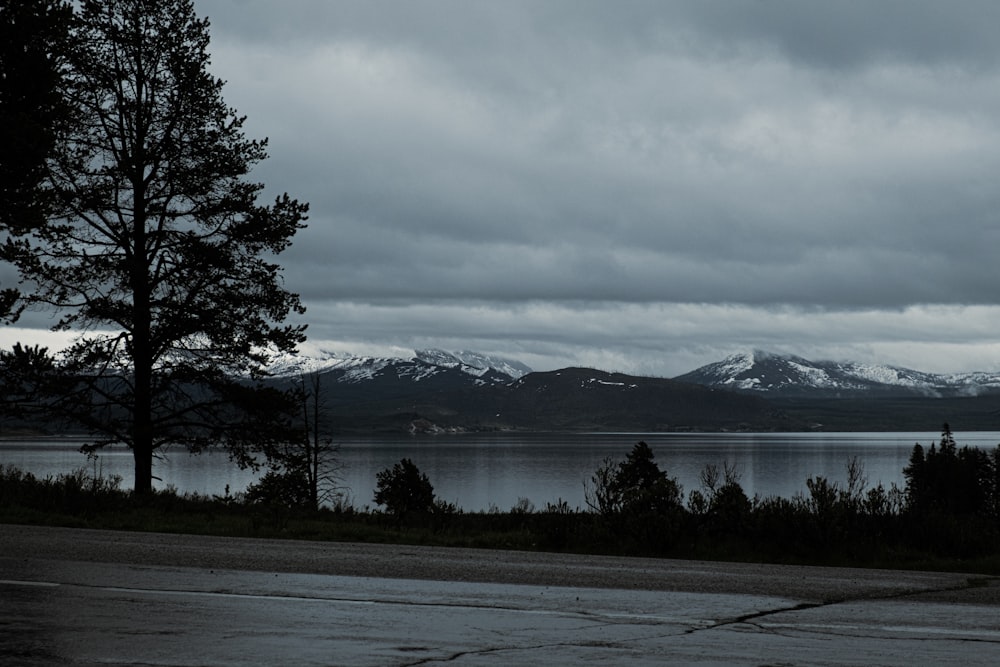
x: 638, y: 183
x: 850, y: 35
x: 671, y: 339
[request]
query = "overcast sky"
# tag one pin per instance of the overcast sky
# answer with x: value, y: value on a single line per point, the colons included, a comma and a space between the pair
x: 634, y: 186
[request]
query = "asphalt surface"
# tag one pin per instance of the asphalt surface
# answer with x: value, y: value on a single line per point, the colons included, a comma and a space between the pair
x: 88, y: 597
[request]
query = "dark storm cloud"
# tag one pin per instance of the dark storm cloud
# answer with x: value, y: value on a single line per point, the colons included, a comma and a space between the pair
x: 494, y: 37
x: 854, y: 34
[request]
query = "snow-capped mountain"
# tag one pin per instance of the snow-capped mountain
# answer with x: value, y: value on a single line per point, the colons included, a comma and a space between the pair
x: 422, y: 365
x: 473, y: 360
x: 788, y: 375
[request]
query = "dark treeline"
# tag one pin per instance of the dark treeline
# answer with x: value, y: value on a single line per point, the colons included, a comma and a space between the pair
x: 946, y: 516
x: 949, y: 508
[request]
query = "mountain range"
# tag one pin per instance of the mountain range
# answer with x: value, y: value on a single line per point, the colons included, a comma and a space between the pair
x: 434, y: 390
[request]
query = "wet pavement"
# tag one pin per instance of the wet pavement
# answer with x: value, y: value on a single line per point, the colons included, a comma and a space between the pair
x: 66, y: 608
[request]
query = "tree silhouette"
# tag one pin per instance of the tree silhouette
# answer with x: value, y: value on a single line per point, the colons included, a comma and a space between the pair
x: 636, y: 485
x: 33, y: 38
x: 404, y: 490
x: 304, y: 470
x: 158, y: 250
x: 640, y: 503
x: 28, y: 378
x: 951, y: 480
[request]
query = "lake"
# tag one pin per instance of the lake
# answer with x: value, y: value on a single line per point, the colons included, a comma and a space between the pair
x: 483, y: 470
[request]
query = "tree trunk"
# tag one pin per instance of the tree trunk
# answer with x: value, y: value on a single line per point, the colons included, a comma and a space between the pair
x: 143, y: 469
x: 314, y: 449
x: 139, y: 278
x: 142, y: 408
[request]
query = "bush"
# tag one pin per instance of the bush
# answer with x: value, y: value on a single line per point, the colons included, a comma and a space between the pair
x: 641, y: 503
x: 284, y: 488
x: 404, y: 491
x: 730, y: 508
x: 633, y: 486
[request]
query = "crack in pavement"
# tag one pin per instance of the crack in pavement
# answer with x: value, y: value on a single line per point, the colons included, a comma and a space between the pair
x: 747, y: 618
x: 500, y: 649
x: 971, y: 583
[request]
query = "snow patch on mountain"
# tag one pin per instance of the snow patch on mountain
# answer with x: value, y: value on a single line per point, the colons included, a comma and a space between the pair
x: 766, y: 372
x: 975, y: 383
x: 473, y: 362
x: 300, y: 364
x: 891, y: 375
x: 811, y: 374
x: 605, y: 383
x: 734, y: 365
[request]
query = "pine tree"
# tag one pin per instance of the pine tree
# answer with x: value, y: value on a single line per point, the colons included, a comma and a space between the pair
x: 159, y: 252
x: 33, y: 39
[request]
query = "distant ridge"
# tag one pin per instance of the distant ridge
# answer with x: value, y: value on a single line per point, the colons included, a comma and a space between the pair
x: 588, y: 399
x: 778, y: 375
x: 437, y: 391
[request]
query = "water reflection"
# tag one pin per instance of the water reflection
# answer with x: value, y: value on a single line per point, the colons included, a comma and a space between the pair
x: 480, y: 471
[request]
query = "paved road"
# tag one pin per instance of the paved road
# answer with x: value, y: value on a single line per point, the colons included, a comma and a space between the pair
x: 78, y: 597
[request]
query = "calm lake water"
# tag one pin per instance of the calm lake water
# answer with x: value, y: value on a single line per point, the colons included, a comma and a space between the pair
x: 480, y: 471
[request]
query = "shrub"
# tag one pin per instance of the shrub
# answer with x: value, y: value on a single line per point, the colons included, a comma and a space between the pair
x: 641, y: 503
x: 284, y: 488
x: 633, y: 486
x: 404, y: 491
x: 729, y: 510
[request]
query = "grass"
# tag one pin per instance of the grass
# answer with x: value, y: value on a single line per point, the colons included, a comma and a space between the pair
x: 81, y: 500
